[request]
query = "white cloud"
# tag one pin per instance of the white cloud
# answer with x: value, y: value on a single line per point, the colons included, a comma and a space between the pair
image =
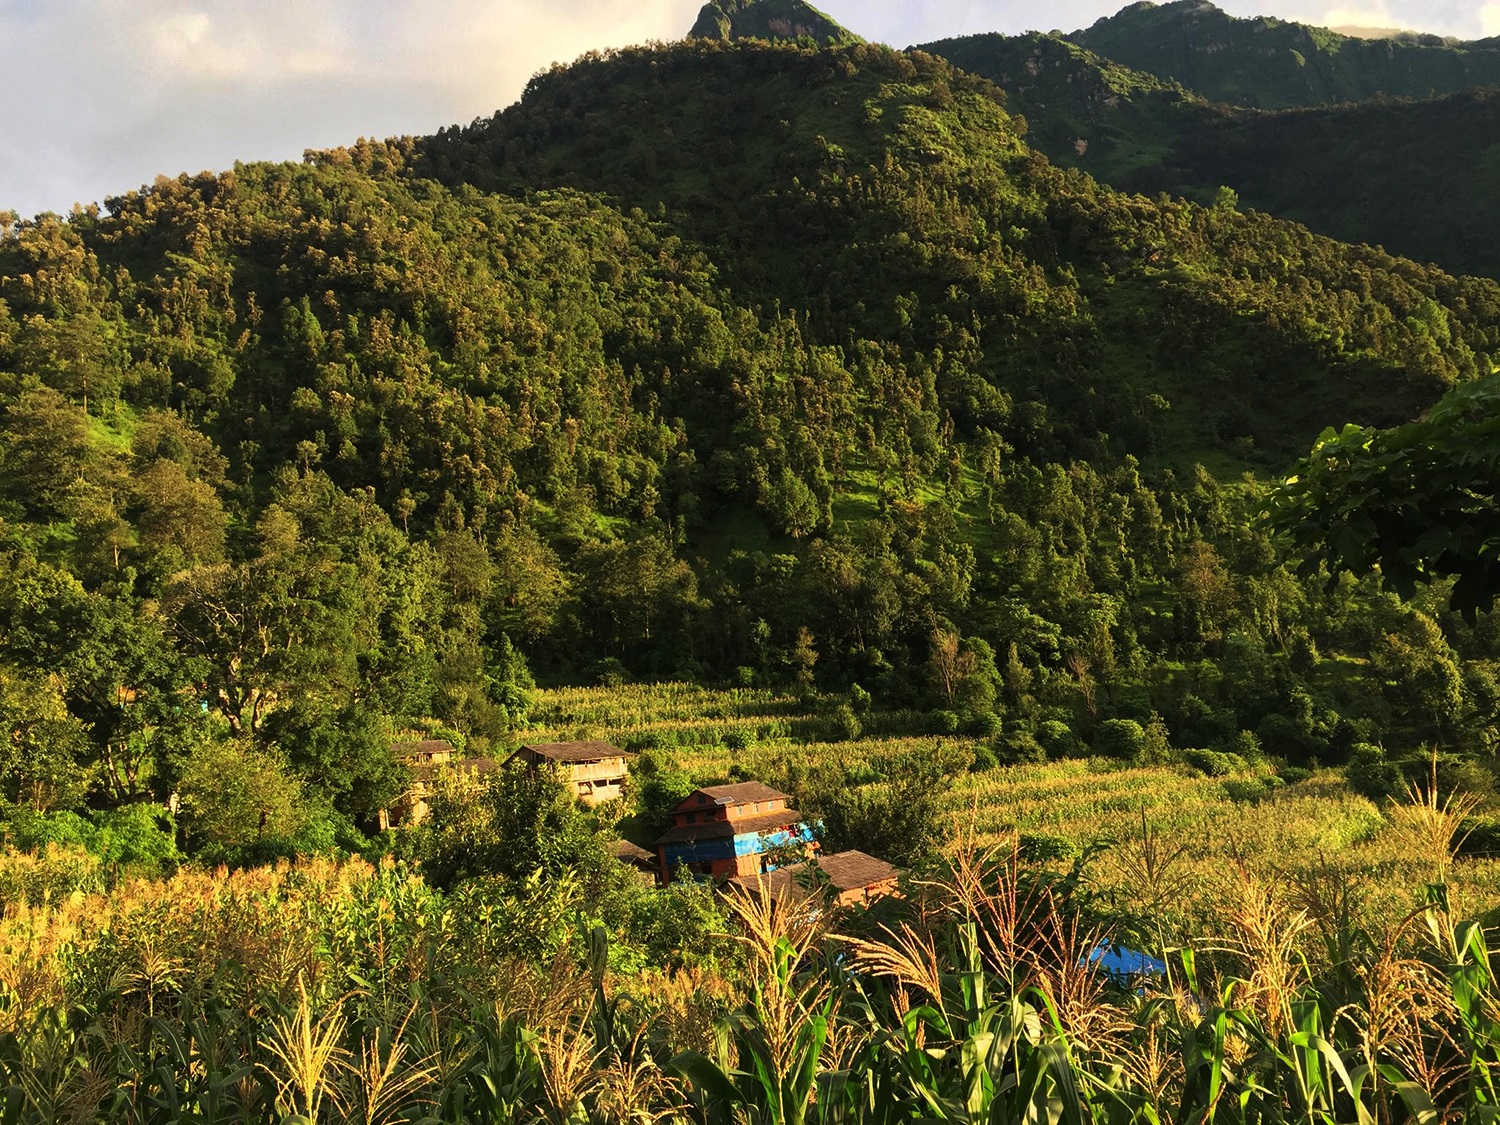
x: 115, y: 94
x: 102, y: 96
x: 1378, y: 14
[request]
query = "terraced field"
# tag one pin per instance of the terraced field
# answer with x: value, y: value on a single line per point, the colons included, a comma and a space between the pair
x: 1173, y: 841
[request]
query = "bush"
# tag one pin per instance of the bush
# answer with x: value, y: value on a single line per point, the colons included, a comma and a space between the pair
x: 739, y: 739
x: 984, y: 760
x: 1371, y: 775
x: 1214, y: 763
x: 1290, y: 775
x: 942, y: 722
x: 1121, y: 739
x: 1018, y: 748
x: 844, y: 724
x: 987, y: 724
x: 1247, y: 790
x: 1059, y: 740
x: 1042, y: 847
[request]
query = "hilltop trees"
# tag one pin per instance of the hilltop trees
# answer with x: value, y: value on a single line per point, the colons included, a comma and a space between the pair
x: 600, y: 388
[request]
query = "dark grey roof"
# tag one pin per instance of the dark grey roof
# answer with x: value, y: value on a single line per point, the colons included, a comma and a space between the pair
x: 849, y: 870
x: 846, y: 871
x: 736, y: 794
x: 627, y: 852
x: 567, y: 752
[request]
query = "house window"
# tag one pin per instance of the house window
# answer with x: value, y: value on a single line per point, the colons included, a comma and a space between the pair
x: 702, y: 800
x: 692, y: 818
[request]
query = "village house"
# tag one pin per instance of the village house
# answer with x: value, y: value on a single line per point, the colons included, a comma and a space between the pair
x: 423, y: 760
x: 852, y: 878
x: 596, y: 770
x: 722, y: 831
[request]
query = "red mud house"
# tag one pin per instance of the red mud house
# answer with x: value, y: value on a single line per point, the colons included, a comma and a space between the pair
x: 726, y: 830
x: 596, y: 770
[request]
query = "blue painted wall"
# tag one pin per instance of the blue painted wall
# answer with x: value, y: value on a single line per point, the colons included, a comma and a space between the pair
x: 723, y: 847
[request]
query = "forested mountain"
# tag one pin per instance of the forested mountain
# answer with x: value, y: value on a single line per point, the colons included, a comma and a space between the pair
x: 732, y: 361
x: 767, y: 19
x: 1361, y: 172
x: 1276, y: 64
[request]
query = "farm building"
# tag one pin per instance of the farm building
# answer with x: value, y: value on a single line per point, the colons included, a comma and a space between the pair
x: 596, y: 770
x: 852, y: 877
x: 726, y: 830
x: 423, y: 760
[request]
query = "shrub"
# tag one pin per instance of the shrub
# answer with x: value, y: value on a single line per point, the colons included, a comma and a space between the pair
x: 985, y: 725
x: 1293, y: 774
x: 1371, y: 775
x: 1059, y: 740
x: 1018, y: 747
x: 1247, y: 790
x: 1214, y: 763
x: 1042, y: 847
x: 844, y: 724
x: 1121, y: 739
x: 984, y: 760
x: 942, y: 722
x: 739, y: 739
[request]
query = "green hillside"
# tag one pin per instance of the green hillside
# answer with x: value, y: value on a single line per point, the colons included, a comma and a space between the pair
x: 767, y: 19
x: 1275, y: 64
x: 1082, y: 110
x: 740, y: 362
x: 1363, y: 172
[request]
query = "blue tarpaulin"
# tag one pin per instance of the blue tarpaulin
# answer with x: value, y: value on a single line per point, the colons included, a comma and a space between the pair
x: 1118, y: 961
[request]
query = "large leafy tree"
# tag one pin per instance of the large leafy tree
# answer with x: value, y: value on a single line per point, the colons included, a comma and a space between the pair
x: 1419, y: 502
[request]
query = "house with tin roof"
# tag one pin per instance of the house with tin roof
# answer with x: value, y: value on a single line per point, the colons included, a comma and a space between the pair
x: 852, y: 878
x: 596, y: 770
x: 721, y: 831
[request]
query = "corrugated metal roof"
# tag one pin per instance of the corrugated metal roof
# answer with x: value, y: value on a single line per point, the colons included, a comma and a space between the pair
x: 627, y: 852
x: 846, y: 871
x: 569, y: 752
x: 737, y: 794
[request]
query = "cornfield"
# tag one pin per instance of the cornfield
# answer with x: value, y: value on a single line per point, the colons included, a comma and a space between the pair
x: 341, y: 992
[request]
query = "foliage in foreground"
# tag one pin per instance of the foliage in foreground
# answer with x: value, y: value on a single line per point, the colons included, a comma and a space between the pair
x: 346, y: 993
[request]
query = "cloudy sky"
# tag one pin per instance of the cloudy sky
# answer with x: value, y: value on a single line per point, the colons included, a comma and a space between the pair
x: 103, y: 95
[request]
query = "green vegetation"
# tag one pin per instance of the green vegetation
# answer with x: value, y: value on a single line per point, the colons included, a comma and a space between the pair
x: 1275, y: 64
x: 767, y: 19
x: 1364, y: 171
x: 782, y: 414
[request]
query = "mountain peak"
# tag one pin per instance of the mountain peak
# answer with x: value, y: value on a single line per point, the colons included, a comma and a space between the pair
x: 767, y: 19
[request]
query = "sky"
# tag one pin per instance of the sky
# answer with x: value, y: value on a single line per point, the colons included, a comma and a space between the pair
x: 104, y: 95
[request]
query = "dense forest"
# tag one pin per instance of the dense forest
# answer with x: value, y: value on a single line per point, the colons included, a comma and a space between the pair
x: 1357, y: 170
x: 1115, y: 571
x: 733, y: 362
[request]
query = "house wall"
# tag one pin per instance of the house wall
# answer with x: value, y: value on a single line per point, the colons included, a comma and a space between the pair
x: 606, y: 769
